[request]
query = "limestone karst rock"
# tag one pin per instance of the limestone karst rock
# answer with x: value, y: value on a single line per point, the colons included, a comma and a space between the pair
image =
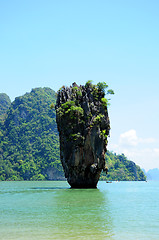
x: 83, y: 125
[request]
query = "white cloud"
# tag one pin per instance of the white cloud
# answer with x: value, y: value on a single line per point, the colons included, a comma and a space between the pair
x: 140, y: 150
x: 156, y: 151
x: 130, y: 138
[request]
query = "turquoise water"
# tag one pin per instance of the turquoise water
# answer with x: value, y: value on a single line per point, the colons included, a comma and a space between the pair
x: 51, y: 210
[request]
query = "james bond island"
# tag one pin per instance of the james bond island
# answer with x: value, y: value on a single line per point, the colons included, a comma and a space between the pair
x: 83, y: 125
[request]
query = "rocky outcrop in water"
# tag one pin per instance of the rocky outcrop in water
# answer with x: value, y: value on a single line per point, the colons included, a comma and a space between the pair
x: 83, y: 125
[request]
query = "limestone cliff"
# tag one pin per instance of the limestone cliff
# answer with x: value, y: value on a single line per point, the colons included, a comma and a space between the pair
x: 83, y: 125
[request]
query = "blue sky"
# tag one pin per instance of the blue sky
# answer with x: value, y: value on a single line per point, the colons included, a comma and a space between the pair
x: 53, y: 43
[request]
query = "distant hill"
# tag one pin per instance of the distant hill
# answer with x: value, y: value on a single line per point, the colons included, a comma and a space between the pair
x: 29, y: 142
x: 153, y: 174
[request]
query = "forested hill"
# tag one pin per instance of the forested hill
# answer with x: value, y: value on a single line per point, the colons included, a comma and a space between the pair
x: 29, y: 143
x: 122, y: 169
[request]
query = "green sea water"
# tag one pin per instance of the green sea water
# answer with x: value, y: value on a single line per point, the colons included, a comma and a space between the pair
x: 51, y: 210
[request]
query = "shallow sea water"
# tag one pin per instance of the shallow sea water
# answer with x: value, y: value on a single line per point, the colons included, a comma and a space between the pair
x: 51, y: 210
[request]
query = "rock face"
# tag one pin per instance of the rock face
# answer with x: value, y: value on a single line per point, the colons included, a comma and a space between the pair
x: 5, y: 103
x: 83, y: 125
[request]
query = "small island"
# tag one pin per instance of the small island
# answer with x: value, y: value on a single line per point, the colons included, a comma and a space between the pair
x: 29, y: 142
x: 83, y: 125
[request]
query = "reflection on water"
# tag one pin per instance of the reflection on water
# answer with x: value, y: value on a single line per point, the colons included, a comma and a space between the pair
x: 82, y: 213
x: 51, y: 210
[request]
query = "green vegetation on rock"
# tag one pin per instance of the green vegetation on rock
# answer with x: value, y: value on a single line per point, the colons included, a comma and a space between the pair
x: 100, y: 91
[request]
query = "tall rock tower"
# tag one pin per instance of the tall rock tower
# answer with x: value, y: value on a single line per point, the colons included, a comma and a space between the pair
x: 83, y: 125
